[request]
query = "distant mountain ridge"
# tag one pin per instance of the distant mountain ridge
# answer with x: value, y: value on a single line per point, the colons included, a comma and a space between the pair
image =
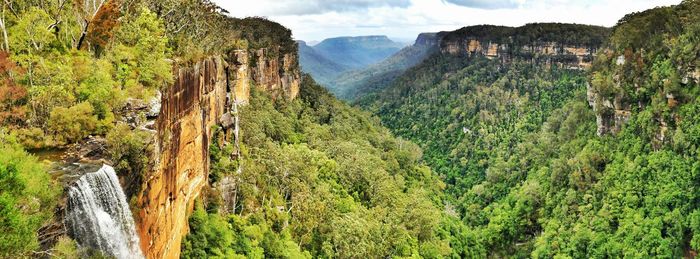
x: 570, y: 45
x: 317, y: 64
x: 333, y: 56
x: 357, y: 83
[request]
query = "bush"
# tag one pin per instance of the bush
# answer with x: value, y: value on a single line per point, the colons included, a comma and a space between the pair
x: 68, y: 125
x: 129, y: 151
x: 27, y: 198
x: 65, y: 248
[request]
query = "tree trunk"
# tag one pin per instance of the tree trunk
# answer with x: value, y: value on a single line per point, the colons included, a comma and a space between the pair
x: 4, y: 30
x: 82, y: 36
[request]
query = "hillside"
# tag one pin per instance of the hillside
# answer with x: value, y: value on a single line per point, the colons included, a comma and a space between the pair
x: 557, y: 141
x: 317, y: 65
x: 170, y: 129
x: 161, y: 138
x: 489, y: 41
x: 328, y: 59
x: 357, y: 52
x: 356, y: 83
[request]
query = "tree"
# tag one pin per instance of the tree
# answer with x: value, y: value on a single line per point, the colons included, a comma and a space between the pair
x: 69, y: 125
x: 31, y: 34
x: 13, y: 96
x: 27, y: 198
x: 140, y: 54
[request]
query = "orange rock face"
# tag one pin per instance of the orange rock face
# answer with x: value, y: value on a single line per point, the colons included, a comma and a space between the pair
x: 267, y: 73
x: 189, y: 109
x: 201, y: 95
x: 240, y: 77
x: 580, y: 57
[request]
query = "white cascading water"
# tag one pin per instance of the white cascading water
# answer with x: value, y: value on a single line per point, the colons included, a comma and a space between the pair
x: 98, y: 216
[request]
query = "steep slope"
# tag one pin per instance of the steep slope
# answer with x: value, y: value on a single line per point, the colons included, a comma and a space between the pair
x: 212, y: 135
x: 315, y: 178
x: 487, y: 81
x: 650, y: 62
x: 551, y: 143
x: 273, y: 175
x: 515, y: 132
x: 357, y: 83
x: 357, y: 52
x: 202, y: 96
x: 317, y: 65
x: 558, y: 43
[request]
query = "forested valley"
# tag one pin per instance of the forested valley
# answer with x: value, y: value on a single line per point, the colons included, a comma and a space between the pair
x: 165, y: 129
x: 544, y: 161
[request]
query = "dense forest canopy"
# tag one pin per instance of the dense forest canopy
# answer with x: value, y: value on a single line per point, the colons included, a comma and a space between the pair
x: 458, y: 156
x: 319, y: 179
x: 567, y: 34
x: 307, y: 165
x: 518, y: 146
x: 71, y: 69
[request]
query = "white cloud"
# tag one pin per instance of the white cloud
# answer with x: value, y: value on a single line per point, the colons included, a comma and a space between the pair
x: 486, y: 4
x: 319, y: 19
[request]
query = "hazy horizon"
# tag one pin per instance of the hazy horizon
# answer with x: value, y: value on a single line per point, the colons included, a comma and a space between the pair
x: 401, y: 20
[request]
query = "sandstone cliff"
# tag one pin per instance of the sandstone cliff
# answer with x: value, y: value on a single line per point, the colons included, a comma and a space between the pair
x: 647, y: 67
x: 430, y: 39
x: 202, y: 96
x: 543, y: 44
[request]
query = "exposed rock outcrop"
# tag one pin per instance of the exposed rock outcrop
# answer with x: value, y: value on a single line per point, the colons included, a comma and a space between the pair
x: 536, y: 43
x: 574, y: 57
x: 278, y: 76
x: 189, y: 109
x: 647, y: 68
x: 611, y: 115
x: 429, y: 39
x: 239, y: 76
x: 202, y: 96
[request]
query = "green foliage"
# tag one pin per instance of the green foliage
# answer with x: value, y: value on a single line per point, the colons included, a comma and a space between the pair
x: 65, y: 248
x: 205, y: 29
x: 139, y: 57
x: 129, y: 151
x: 516, y: 144
x: 652, y: 61
x: 320, y: 179
x: 568, y: 34
x: 67, y: 93
x: 30, y: 33
x: 27, y: 198
x: 216, y: 236
x: 69, y: 125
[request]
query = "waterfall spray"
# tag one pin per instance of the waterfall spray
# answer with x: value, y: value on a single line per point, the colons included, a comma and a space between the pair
x: 98, y: 216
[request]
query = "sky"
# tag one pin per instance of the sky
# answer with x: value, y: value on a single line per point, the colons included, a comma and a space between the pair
x: 403, y: 20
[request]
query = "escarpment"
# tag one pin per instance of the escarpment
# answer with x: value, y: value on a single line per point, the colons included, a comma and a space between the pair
x: 203, y: 95
x: 542, y: 44
x: 430, y: 39
x: 648, y: 69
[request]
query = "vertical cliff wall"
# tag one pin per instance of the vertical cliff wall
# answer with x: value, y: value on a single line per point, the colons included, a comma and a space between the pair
x: 652, y: 65
x: 201, y: 97
x: 572, y: 56
x: 268, y: 69
x: 569, y: 45
x: 189, y: 108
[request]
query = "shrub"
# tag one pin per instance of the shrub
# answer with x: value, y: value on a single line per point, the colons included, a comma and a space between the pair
x: 68, y: 125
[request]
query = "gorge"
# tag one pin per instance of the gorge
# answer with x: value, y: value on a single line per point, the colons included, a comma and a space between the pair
x: 210, y: 136
x: 202, y: 96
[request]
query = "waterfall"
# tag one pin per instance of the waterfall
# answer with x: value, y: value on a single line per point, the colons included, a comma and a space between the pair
x: 98, y: 216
